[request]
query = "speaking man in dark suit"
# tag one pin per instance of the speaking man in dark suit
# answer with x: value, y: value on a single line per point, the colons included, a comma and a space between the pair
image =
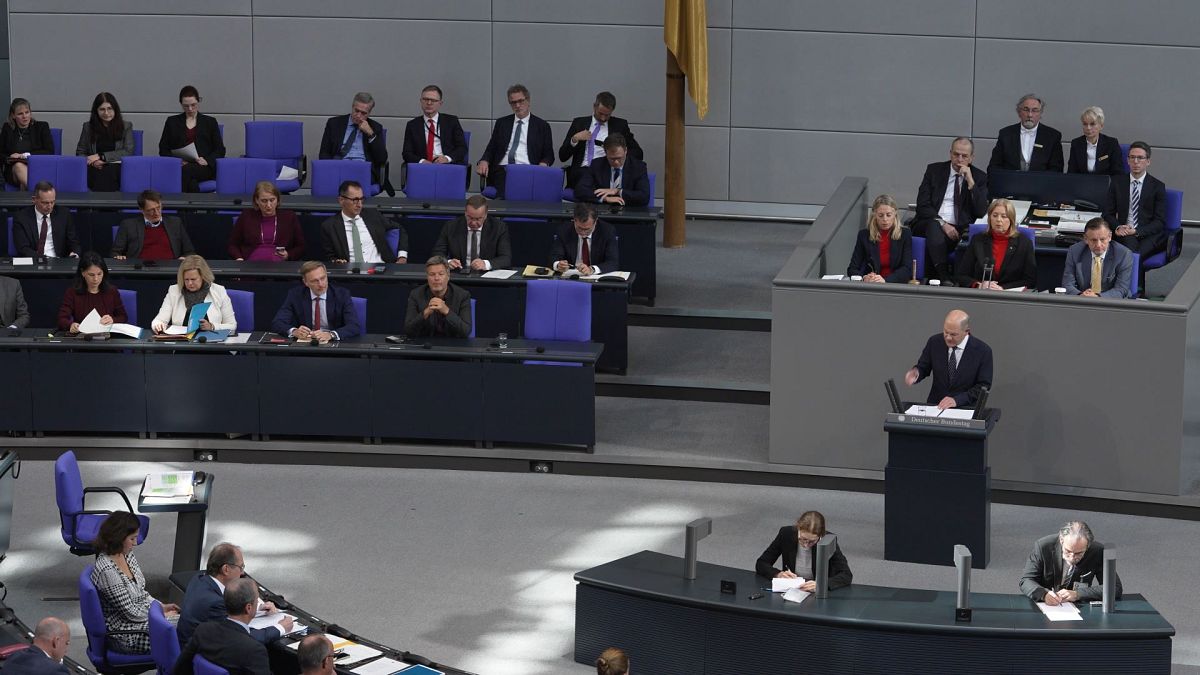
x: 356, y: 136
x: 1028, y: 145
x: 204, y: 599
x: 433, y: 136
x: 317, y: 309
x: 1137, y: 205
x: 1066, y: 567
x: 585, y: 139
x: 519, y: 138
x: 152, y: 237
x: 51, y: 638
x: 952, y: 195
x: 586, y: 244
x: 14, y: 313
x: 227, y: 642
x: 1094, y: 268
x: 475, y: 241
x: 615, y: 178
x: 358, y: 235
x: 45, y: 229
x: 959, y: 362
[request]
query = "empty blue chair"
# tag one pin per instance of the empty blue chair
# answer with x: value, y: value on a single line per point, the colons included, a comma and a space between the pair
x: 137, y: 144
x: 77, y: 523
x: 68, y: 174
x: 12, y: 246
x: 211, y: 185
x: 202, y: 666
x: 360, y: 307
x: 530, y: 183
x: 328, y: 174
x: 1173, y: 226
x: 164, y: 174
x: 108, y: 661
x: 129, y: 299
x: 558, y: 310
x: 472, y: 333
x: 918, y: 249
x: 243, y: 309
x: 164, y: 640
x: 282, y: 142
x: 435, y: 181
x: 238, y: 175
x: 56, y: 135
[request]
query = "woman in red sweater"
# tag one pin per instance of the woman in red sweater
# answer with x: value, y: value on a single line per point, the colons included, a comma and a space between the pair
x: 1003, y: 248
x: 89, y: 291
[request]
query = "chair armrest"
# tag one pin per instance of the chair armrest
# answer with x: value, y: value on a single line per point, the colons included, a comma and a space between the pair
x: 1175, y: 244
x: 303, y: 168
x: 117, y: 490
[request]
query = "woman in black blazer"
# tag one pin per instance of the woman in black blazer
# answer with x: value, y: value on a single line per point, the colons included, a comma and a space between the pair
x: 192, y: 127
x: 1093, y: 152
x: 883, y: 252
x: 789, y: 544
x: 1004, y: 248
x: 21, y: 137
x: 106, y: 138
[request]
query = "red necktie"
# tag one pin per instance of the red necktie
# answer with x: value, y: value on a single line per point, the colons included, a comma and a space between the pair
x: 429, y: 140
x: 587, y: 253
x: 42, y: 235
x: 316, y: 314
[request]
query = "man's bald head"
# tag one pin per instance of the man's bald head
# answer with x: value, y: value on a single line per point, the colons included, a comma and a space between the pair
x: 313, y: 655
x: 52, y: 636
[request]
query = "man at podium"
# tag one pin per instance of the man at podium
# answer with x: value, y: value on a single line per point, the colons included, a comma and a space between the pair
x: 960, y: 364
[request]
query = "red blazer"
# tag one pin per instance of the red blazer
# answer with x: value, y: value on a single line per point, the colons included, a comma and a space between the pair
x: 75, y: 306
x: 247, y: 234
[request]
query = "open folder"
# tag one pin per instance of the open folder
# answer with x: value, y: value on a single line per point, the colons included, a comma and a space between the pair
x: 91, y: 326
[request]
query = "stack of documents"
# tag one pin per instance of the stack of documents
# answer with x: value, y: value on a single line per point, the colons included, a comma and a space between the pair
x: 91, y: 326
x: 269, y: 620
x: 169, y: 487
x: 933, y: 411
x: 784, y: 585
x: 1064, y: 612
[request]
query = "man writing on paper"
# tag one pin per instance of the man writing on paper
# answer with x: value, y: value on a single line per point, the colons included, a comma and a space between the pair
x: 586, y: 245
x: 439, y: 308
x: 204, y: 599
x: 959, y: 362
x: 952, y: 195
x: 1095, y: 266
x: 227, y: 642
x: 1066, y: 567
x: 317, y: 309
x: 475, y: 241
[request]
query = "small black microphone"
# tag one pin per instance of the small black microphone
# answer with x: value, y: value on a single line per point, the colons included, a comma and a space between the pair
x: 541, y: 350
x: 425, y: 205
x: 201, y: 339
x: 237, y: 201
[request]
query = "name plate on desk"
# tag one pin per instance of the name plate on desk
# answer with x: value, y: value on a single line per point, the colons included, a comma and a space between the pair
x: 942, y: 422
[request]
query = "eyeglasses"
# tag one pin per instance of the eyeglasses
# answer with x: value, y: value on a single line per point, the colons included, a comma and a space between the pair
x: 517, y: 101
x: 241, y: 567
x: 430, y: 100
x: 1029, y: 110
x: 356, y: 200
x: 1138, y: 158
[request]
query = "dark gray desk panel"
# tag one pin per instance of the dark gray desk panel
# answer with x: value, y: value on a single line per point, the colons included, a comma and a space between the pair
x: 16, y: 407
x: 425, y: 398
x: 104, y: 391
x: 202, y: 392
x: 539, y: 403
x: 322, y: 394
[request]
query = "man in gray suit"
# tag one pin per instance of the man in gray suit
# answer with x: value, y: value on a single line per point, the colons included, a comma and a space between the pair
x: 13, y: 311
x: 1066, y: 567
x: 1096, y: 252
x: 152, y: 236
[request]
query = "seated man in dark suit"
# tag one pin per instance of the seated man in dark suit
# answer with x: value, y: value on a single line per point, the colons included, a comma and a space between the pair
x: 317, y: 309
x: 1066, y: 567
x: 952, y: 195
x: 586, y: 244
x: 357, y: 235
x: 1137, y: 205
x: 51, y: 638
x: 45, y: 229
x: 204, y: 599
x: 227, y: 642
x: 439, y: 308
x: 615, y: 178
x: 356, y: 136
x: 1028, y: 145
x: 475, y: 241
x: 519, y: 138
x: 315, y: 655
x: 433, y: 136
x: 152, y: 237
x: 960, y: 364
x: 1094, y: 268
x: 585, y: 139
x: 14, y: 313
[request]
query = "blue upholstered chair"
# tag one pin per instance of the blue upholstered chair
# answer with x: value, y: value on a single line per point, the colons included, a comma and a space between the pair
x: 164, y: 174
x: 328, y: 174
x: 282, y: 142
x: 238, y: 175
x: 202, y: 666
x: 360, y: 306
x: 108, y: 661
x: 918, y: 249
x: 1135, y: 280
x: 435, y: 181
x: 129, y: 299
x: 472, y: 333
x: 1173, y: 226
x: 56, y: 135
x: 164, y: 640
x: 137, y: 144
x: 78, y: 524
x: 243, y: 309
x: 68, y: 174
x: 393, y: 241
x: 530, y: 183
x: 558, y: 310
x: 12, y: 246
x: 976, y: 228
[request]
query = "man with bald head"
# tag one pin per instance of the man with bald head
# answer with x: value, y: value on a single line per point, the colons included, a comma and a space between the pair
x: 960, y: 364
x: 1066, y: 567
x: 315, y: 655
x: 51, y: 638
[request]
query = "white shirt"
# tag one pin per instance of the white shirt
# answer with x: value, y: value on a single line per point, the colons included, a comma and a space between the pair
x: 946, y: 212
x: 522, y: 142
x: 961, y: 349
x: 369, y: 252
x: 50, y: 252
x: 599, y: 135
x: 1028, y: 136
x: 1132, y: 216
x: 1091, y: 152
x: 437, y: 136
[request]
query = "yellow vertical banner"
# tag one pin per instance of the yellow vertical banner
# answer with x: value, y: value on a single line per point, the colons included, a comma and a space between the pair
x: 685, y: 30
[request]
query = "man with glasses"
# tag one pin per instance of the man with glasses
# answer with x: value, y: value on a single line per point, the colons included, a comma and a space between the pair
x: 1028, y: 145
x: 315, y: 655
x: 356, y: 136
x: 204, y: 598
x: 615, y: 178
x: 585, y: 139
x: 519, y: 138
x: 475, y: 241
x: 356, y: 235
x: 1066, y: 567
x: 1137, y: 206
x: 434, y: 137
x: 952, y: 195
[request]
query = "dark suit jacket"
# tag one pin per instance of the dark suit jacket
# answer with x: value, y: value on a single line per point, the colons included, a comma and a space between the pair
x: 1116, y: 273
x: 13, y: 310
x: 494, y: 244
x: 1047, y: 150
x: 202, y: 602
x: 1044, y: 569
x: 574, y: 156
x: 787, y: 546
x: 39, y: 135
x: 209, y: 144
x: 455, y: 324
x: 634, y: 180
x: 375, y: 150
x: 449, y: 131
x: 972, y: 205
x: 247, y: 234
x: 538, y: 139
x: 866, y: 250
x: 974, y: 369
x: 27, y: 224
x: 1152, y: 211
x: 1018, y: 269
x: 226, y: 644
x: 602, y: 251
x: 336, y: 247
x: 33, y: 661
x: 297, y: 310
x: 132, y: 232
x: 1108, y: 156
x: 124, y: 143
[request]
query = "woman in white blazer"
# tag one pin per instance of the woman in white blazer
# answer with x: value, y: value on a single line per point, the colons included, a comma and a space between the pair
x: 194, y: 284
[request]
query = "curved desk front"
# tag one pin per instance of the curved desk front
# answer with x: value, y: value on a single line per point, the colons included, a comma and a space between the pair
x: 668, y: 624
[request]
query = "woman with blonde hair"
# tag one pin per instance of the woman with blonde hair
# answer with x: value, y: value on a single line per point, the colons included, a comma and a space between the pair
x: 1003, y: 249
x: 1094, y: 152
x: 883, y: 251
x: 194, y: 285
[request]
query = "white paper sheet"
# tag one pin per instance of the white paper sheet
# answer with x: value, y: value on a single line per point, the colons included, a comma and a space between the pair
x: 958, y: 413
x: 618, y: 275
x: 498, y: 274
x: 126, y: 329
x: 287, y: 173
x: 796, y: 595
x: 168, y: 484
x: 176, y: 330
x: 383, y: 666
x: 187, y: 152
x: 239, y: 339
x: 782, y: 585
x: 91, y: 323
x: 22, y: 261
x: 273, y: 620
x: 1064, y: 612
x: 833, y: 277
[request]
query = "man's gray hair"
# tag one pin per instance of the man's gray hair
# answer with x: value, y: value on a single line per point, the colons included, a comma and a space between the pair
x: 1035, y: 97
x: 365, y: 97
x: 1075, y: 528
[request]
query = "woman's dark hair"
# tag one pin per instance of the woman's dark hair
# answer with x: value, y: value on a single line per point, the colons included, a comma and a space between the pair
x: 188, y: 90
x: 87, y: 260
x: 113, y: 530
x: 116, y: 128
x: 12, y: 111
